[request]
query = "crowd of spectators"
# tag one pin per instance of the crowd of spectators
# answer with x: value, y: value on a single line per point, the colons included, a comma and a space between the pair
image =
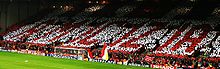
x: 167, y: 42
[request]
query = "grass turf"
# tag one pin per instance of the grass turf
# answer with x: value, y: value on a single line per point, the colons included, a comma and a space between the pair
x: 10, y: 60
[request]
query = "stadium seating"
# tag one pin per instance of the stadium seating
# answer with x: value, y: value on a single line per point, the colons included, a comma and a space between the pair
x: 162, y: 37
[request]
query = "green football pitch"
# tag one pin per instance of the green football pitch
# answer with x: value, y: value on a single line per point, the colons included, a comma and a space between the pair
x: 10, y: 60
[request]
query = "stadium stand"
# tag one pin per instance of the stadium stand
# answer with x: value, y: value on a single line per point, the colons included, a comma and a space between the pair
x: 166, y: 41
